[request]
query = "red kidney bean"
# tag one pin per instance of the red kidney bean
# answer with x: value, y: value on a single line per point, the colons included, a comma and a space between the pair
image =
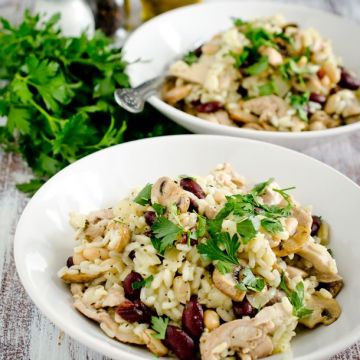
x: 70, y: 262
x: 198, y: 51
x: 209, y: 107
x: 315, y: 226
x: 347, y: 81
x: 318, y: 98
x: 193, y: 318
x: 321, y: 73
x: 180, y: 343
x: 193, y: 187
x: 334, y: 90
x: 130, y: 293
x: 242, y: 91
x: 243, y: 308
x: 184, y: 240
x: 135, y: 311
x: 193, y: 206
x: 150, y: 217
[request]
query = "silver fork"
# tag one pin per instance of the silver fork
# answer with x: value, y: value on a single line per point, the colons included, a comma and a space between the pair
x: 133, y: 100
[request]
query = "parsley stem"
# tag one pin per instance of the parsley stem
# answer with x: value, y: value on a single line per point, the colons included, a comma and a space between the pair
x: 51, y: 120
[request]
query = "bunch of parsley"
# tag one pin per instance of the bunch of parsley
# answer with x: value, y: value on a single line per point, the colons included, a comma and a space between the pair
x: 57, y: 96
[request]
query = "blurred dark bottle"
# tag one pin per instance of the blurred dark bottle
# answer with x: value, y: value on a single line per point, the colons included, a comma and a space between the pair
x: 109, y: 16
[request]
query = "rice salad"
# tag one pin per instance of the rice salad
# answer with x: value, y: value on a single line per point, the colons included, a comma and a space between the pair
x: 204, y: 266
x: 266, y: 74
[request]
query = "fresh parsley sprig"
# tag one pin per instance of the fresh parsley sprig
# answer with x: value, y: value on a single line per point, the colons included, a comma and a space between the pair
x: 223, y: 249
x: 57, y: 96
x: 248, y: 281
x: 143, y: 283
x: 159, y: 325
x: 165, y: 234
x: 296, y: 298
x: 144, y: 195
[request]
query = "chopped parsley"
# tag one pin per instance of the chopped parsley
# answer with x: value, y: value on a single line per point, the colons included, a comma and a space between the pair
x: 159, y: 209
x: 247, y: 229
x: 239, y: 22
x: 190, y: 58
x: 299, y: 103
x: 159, y: 325
x: 165, y: 234
x: 246, y: 207
x: 144, y: 195
x: 296, y: 298
x: 143, y: 283
x: 260, y: 66
x: 241, y: 57
x: 248, y: 281
x: 268, y: 89
x: 212, y: 250
x: 271, y: 226
x: 201, y: 227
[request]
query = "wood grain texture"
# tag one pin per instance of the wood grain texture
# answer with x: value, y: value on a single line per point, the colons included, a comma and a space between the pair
x: 24, y: 332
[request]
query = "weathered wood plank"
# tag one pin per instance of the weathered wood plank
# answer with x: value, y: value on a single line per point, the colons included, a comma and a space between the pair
x: 24, y: 332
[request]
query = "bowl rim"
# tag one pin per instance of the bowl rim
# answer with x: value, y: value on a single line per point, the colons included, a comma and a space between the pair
x: 106, y: 348
x: 191, y: 120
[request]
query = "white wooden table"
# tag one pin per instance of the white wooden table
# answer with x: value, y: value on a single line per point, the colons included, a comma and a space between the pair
x: 24, y: 332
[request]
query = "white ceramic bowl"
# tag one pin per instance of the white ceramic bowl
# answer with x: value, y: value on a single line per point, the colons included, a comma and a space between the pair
x: 172, y: 34
x: 44, y: 238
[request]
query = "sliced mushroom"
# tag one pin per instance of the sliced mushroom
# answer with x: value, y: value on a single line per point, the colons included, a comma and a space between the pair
x: 166, y: 192
x: 153, y: 344
x: 293, y: 272
x: 79, y: 277
x: 107, y: 324
x: 119, y: 235
x: 246, y: 336
x: 267, y: 106
x: 174, y: 95
x: 195, y: 73
x: 324, y: 311
x: 319, y: 256
x: 242, y: 116
x: 219, y: 117
x: 301, y: 236
x: 326, y: 278
x: 333, y: 287
x: 226, y: 284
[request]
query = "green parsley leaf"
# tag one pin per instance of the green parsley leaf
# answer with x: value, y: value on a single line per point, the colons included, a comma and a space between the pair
x: 57, y: 96
x: 268, y: 89
x: 272, y: 226
x: 246, y: 230
x: 238, y: 22
x: 284, y: 194
x: 30, y: 187
x: 143, y: 283
x: 159, y: 325
x: 258, y: 67
x: 241, y: 57
x: 296, y: 298
x: 201, y: 226
x: 248, y: 281
x: 190, y: 58
x: 259, y: 189
x: 223, y: 248
x: 144, y: 195
x: 166, y: 233
x: 159, y: 209
x: 299, y: 103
